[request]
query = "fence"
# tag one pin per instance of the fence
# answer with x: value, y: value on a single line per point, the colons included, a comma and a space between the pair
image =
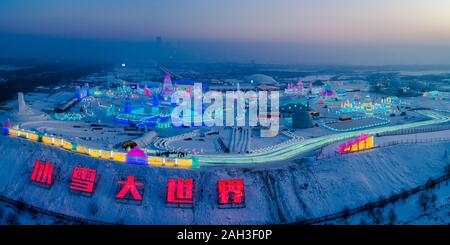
x: 377, y: 204
x: 342, y: 214
x: 335, y: 154
x: 79, y: 220
x: 414, y: 131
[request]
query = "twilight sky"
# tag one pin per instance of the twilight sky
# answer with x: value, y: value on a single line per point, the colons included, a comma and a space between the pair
x: 273, y: 31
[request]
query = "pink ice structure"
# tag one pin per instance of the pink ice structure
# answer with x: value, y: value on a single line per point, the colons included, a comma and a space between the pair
x: 167, y: 86
x: 7, y: 123
x: 147, y: 92
x: 300, y: 85
x: 137, y: 156
x: 353, y: 142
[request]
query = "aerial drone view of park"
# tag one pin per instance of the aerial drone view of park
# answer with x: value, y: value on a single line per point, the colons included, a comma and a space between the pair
x: 352, y: 146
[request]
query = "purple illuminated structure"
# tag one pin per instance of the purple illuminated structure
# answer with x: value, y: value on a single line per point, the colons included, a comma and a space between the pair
x: 328, y: 91
x: 300, y: 85
x: 360, y: 143
x: 147, y: 91
x: 8, y: 123
x: 136, y: 156
x: 167, y: 89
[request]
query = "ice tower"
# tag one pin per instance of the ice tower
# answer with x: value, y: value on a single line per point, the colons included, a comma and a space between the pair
x: 327, y: 90
x: 300, y: 85
x: 22, y: 105
x: 167, y: 87
x: 147, y: 91
x: 155, y: 105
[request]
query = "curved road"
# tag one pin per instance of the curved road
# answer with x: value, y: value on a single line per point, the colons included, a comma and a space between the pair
x: 289, y: 151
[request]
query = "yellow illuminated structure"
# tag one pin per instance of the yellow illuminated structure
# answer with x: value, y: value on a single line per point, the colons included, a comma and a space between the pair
x: 97, y: 153
x: 363, y: 142
x: 367, y: 106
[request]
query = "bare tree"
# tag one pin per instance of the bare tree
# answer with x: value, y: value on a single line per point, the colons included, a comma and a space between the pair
x: 119, y: 221
x: 447, y: 169
x: 423, y: 200
x: 381, y: 199
x: 378, y: 216
x: 345, y: 213
x: 20, y: 205
x: 430, y: 182
x: 12, y: 219
x: 403, y: 194
x: 433, y: 199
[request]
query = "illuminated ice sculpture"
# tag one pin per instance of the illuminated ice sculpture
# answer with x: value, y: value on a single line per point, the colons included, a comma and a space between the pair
x: 360, y: 143
x: 137, y: 156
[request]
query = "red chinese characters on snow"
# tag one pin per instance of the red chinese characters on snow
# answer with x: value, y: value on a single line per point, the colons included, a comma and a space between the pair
x: 42, y: 173
x: 131, y: 190
x: 231, y: 192
x: 180, y: 191
x: 83, y: 179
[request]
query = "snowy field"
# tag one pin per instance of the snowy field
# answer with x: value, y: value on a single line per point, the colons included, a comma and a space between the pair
x: 278, y: 192
x: 282, y: 193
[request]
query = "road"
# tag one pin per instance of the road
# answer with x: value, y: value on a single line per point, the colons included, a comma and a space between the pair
x: 297, y: 148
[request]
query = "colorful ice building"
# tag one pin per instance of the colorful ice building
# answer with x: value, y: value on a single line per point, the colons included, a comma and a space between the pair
x: 136, y: 156
x: 367, y: 106
x: 360, y: 143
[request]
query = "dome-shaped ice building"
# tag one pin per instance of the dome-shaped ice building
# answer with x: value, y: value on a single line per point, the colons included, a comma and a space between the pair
x: 261, y: 79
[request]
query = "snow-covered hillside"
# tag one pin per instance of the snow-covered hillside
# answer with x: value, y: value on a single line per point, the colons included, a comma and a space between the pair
x: 276, y: 193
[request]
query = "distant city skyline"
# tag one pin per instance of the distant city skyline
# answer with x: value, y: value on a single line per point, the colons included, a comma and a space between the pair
x: 267, y: 31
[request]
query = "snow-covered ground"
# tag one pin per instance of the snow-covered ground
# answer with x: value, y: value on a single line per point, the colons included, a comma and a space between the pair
x: 277, y: 193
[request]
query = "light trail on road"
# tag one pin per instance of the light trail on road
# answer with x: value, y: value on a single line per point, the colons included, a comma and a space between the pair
x: 289, y: 151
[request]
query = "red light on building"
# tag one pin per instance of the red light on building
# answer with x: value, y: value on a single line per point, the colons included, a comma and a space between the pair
x: 130, y: 186
x: 42, y: 173
x: 180, y: 191
x: 83, y: 179
x: 231, y: 192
